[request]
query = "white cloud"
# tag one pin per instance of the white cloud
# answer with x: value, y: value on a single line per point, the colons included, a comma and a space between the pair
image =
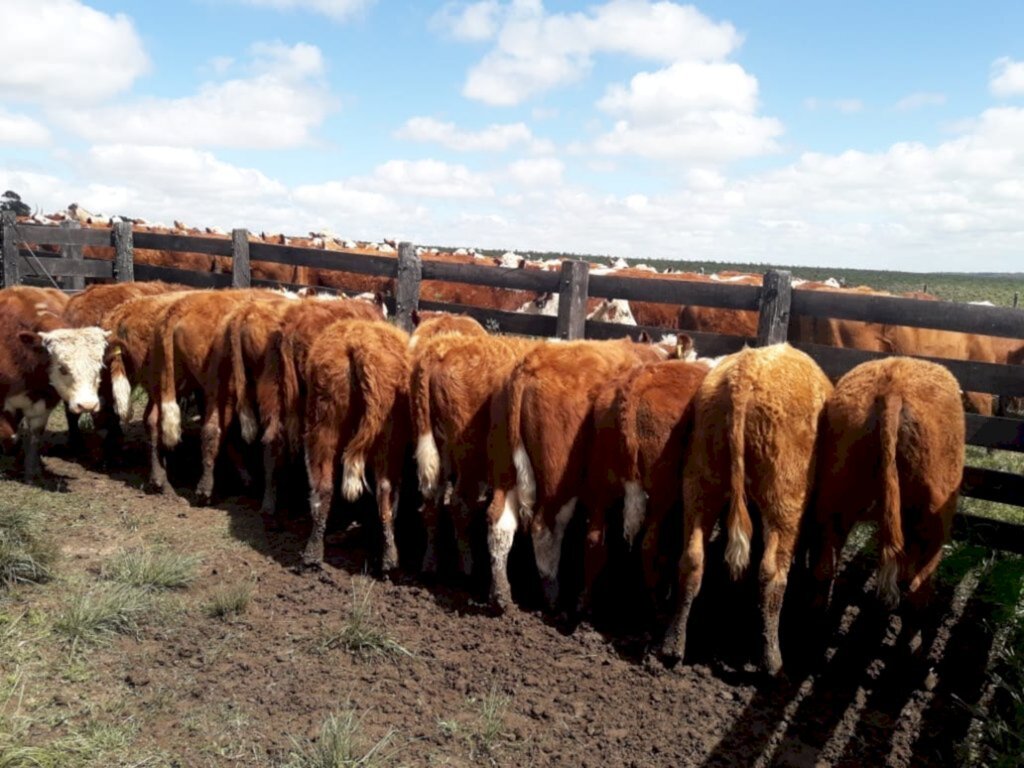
x: 472, y: 22
x: 536, y: 172
x: 64, y: 50
x: 690, y: 110
x: 536, y: 51
x: 493, y: 138
x: 1007, y: 77
x: 919, y: 100
x: 427, y: 178
x: 338, y: 10
x: 279, y: 105
x: 22, y: 131
x: 340, y: 199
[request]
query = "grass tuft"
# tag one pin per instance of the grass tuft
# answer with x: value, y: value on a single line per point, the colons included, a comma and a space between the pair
x: 490, y: 725
x: 152, y: 569
x: 26, y: 553
x: 341, y: 744
x: 92, y: 616
x: 362, y: 633
x: 230, y: 600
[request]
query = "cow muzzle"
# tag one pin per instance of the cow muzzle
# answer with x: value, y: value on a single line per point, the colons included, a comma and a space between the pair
x: 84, y: 406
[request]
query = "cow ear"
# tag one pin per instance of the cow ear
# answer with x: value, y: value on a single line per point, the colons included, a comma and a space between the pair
x: 30, y: 339
x: 684, y: 348
x: 378, y: 298
x: 644, y: 337
x: 416, y: 318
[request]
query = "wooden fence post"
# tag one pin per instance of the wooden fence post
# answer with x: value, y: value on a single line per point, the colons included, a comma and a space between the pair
x: 572, y: 300
x: 407, y: 285
x: 124, y: 253
x: 773, y: 315
x: 1016, y: 296
x: 72, y: 253
x: 241, y: 274
x: 8, y: 251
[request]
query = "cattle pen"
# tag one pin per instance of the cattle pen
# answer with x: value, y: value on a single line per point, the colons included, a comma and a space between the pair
x: 774, y: 301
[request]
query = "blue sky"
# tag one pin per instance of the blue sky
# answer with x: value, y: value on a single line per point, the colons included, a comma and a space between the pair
x: 871, y: 135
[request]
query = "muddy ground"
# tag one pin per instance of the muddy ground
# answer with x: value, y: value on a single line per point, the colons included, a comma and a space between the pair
x: 462, y: 687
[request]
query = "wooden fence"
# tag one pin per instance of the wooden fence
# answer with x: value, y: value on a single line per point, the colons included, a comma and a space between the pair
x: 775, y: 301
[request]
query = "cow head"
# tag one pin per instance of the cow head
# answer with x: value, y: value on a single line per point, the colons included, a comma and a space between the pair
x: 76, y: 357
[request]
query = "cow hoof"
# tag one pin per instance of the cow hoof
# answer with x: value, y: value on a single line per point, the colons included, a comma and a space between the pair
x: 202, y: 499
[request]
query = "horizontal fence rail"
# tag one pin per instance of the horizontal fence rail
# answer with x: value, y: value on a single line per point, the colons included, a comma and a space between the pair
x: 776, y: 301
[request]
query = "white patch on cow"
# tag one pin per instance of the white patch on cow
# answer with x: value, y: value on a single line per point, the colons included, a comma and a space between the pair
x: 385, y: 248
x: 510, y: 260
x: 428, y: 461
x: 501, y: 534
x: 833, y: 283
x: 710, y: 362
x: 247, y: 420
x: 76, y: 357
x: 888, y: 587
x: 547, y: 542
x: 613, y: 311
x: 413, y: 341
x: 460, y: 252
x: 526, y: 482
x: 170, y: 423
x: 620, y: 263
x: 737, y: 551
x: 32, y: 410
x: 645, y: 268
x: 353, y: 479
x: 122, y: 396
x: 546, y: 305
x: 797, y: 282
x: 634, y: 511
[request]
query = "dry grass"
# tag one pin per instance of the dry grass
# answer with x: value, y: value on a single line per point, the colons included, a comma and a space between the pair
x: 363, y: 632
x: 342, y: 744
x: 27, y: 554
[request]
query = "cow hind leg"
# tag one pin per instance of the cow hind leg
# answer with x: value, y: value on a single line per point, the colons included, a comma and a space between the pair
x: 547, y: 549
x: 502, y: 521
x: 210, y: 440
x: 774, y: 573
x: 387, y: 503
x: 320, y: 457
x: 595, y: 555
x: 158, y: 481
x: 268, y: 507
x: 35, y: 423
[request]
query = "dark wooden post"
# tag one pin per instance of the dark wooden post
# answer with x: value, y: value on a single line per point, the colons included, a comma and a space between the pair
x: 572, y: 300
x: 241, y: 275
x: 1015, y: 298
x: 773, y: 315
x: 124, y: 253
x: 72, y: 252
x: 407, y: 285
x: 8, y: 251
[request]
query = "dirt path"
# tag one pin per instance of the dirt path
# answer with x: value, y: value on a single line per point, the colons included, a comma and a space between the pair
x: 473, y: 688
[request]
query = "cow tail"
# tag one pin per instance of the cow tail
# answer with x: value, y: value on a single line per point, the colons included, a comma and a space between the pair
x: 428, y: 458
x: 290, y: 392
x: 170, y: 413
x: 634, y: 508
x: 377, y: 408
x: 119, y: 383
x: 738, y: 525
x: 526, y: 481
x: 890, y: 529
x: 246, y: 417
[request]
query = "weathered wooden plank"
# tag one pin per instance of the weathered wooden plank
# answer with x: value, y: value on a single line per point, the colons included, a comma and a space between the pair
x: 73, y: 252
x: 182, y: 276
x: 8, y: 250
x: 994, y: 534
x: 973, y: 376
x: 942, y: 315
x: 706, y: 344
x: 993, y: 485
x: 660, y: 290
x: 42, y: 234
x: 995, y: 432
x: 158, y: 241
x: 241, y: 274
x: 341, y: 261
x: 407, y: 286
x: 572, y: 300
x: 773, y: 314
x: 56, y: 266
x: 498, y: 321
x: 533, y: 280
x: 124, y: 253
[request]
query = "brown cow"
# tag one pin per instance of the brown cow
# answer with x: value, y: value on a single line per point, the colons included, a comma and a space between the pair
x: 642, y: 428
x: 755, y: 425
x: 891, y: 451
x: 454, y: 380
x: 538, y: 456
x: 279, y: 382
x: 28, y: 301
x: 357, y: 410
x: 429, y: 324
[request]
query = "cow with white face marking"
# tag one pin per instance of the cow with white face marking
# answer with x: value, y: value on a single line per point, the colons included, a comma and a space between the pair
x: 41, y: 363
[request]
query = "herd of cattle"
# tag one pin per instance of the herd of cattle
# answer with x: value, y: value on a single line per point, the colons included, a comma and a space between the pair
x: 517, y: 431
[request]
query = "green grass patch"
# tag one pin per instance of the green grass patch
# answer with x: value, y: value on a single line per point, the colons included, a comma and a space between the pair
x: 363, y: 632
x: 229, y: 600
x: 342, y: 743
x: 152, y: 569
x: 27, y: 553
x: 92, y: 616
